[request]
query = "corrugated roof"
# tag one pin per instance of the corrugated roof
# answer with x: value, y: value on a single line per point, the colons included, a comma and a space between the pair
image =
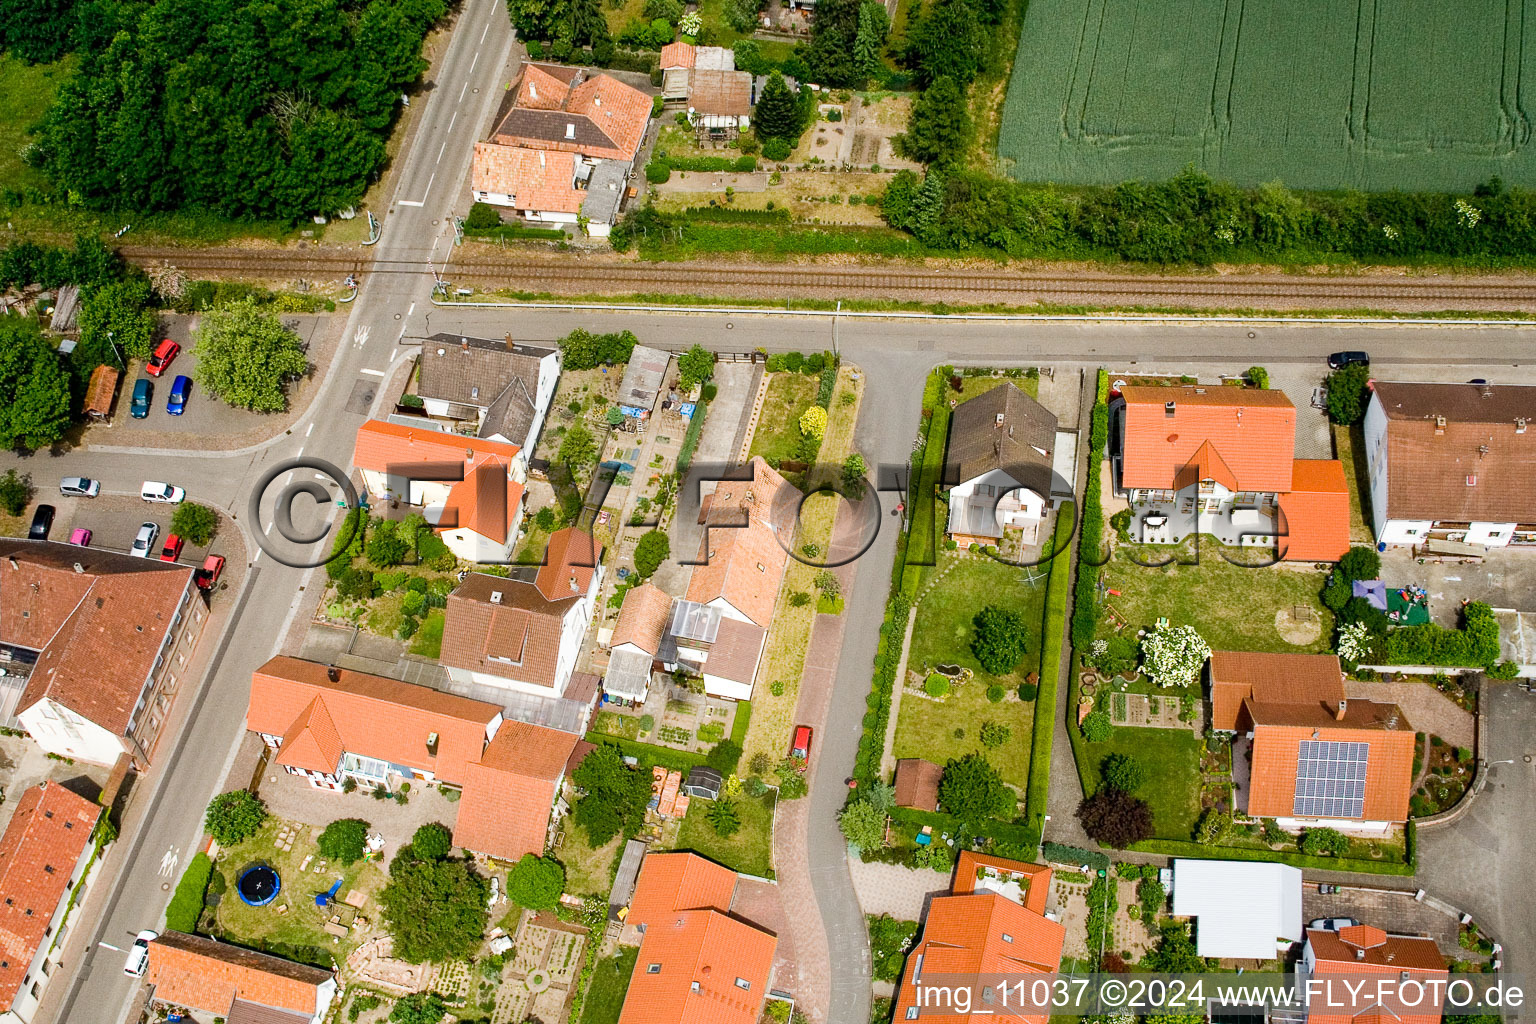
x: 1245, y: 909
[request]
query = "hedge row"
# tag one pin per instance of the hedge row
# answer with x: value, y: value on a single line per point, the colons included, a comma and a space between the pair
x: 1057, y: 587
x: 604, y: 55
x: 691, y: 438
x: 514, y: 231
x: 1074, y: 855
x: 1085, y: 611
x: 737, y: 215
x: 1476, y: 643
x: 866, y: 767
x: 928, y: 475
x: 661, y: 166
x: 649, y: 753
x: 187, y: 902
x: 1200, y: 851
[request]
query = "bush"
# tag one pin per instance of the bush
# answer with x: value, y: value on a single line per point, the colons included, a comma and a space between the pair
x: 658, y: 171
x: 1324, y: 842
x: 1347, y: 394
x: 1097, y: 727
x: 994, y: 734
x: 724, y: 757
x: 1122, y: 772
x: 15, y: 492
x: 775, y: 149
x: 195, y: 523
x: 344, y: 840
x: 1028, y: 691
x: 355, y: 583
x: 650, y: 552
x: 936, y: 686
x: 972, y: 791
x: 724, y: 817
x: 996, y: 693
x: 889, y: 940
x: 1115, y: 818
x: 1258, y: 377
x: 234, y: 817
x: 1095, y: 860
x: 536, y: 882
x: 482, y: 215
x: 1360, y: 563
x: 999, y: 639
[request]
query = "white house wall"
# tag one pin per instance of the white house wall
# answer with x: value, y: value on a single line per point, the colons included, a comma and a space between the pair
x: 1493, y: 535
x: 1376, y: 466
x: 730, y: 689
x: 58, y: 730
x: 549, y: 377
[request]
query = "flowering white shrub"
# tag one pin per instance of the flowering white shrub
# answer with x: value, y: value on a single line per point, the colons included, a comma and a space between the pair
x: 690, y: 24
x: 1391, y: 232
x: 1467, y: 214
x: 1352, y: 642
x: 1174, y: 655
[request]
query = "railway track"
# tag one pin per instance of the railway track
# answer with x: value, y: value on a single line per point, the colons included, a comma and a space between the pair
x: 584, y: 275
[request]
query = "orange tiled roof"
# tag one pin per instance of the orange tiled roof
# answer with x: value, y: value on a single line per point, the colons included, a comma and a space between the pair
x: 735, y: 502
x: 312, y: 742
x: 508, y: 793
x: 381, y: 445
x: 536, y: 179
x: 1252, y: 432
x: 99, y: 630
x: 504, y: 626
x: 1364, y: 952
x: 979, y: 933
x: 917, y: 783
x: 1310, y: 679
x: 484, y: 502
x: 1280, y: 730
x: 370, y: 715
x: 642, y: 618
x: 678, y: 55
x: 570, y: 561
x: 206, y: 975
x: 1316, y: 511
x: 48, y: 832
x: 671, y: 882
x: 743, y: 565
x: 563, y: 109
x: 1036, y: 877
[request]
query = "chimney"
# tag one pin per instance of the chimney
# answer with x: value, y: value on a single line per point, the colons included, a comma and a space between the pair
x: 464, y: 344
x: 570, y: 129
x: 14, y: 564
x: 1168, y: 408
x: 999, y: 420
x: 1519, y: 424
x: 432, y: 744
x: 333, y: 673
x: 597, y: 101
x: 510, y: 343
x: 1359, y: 953
x: 79, y: 567
x: 495, y: 597
x: 1239, y: 415
x: 574, y: 587
x: 1343, y: 707
x: 533, y: 89
x: 1439, y: 425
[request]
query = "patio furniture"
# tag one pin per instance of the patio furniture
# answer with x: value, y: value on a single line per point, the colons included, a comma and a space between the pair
x: 1162, y: 622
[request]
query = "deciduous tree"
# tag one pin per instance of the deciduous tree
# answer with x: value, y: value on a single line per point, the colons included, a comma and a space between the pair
x: 999, y: 638
x: 972, y: 790
x: 652, y: 549
x: 344, y: 840
x: 613, y: 796
x: 1115, y: 818
x: 34, y: 387
x: 234, y: 817
x: 434, y: 909
x: 536, y: 882
x: 196, y: 524
x: 247, y: 357
x: 863, y: 825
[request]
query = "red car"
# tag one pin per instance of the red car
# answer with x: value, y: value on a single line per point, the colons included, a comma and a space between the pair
x: 166, y: 352
x: 172, y: 550
x: 208, y: 575
x: 800, y: 749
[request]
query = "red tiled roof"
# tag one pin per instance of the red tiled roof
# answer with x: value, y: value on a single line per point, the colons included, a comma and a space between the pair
x: 312, y: 742
x: 1316, y: 511
x: 508, y: 793
x: 1277, y: 736
x: 642, y: 618
x: 370, y: 715
x: 48, y: 832
x: 99, y: 630
x: 484, y: 502
x: 1253, y: 433
x: 698, y: 952
x: 1309, y: 679
x: 734, y: 502
x: 678, y: 55
x: 1036, y: 878
x: 570, y: 561
x: 744, y: 565
x: 505, y: 627
x: 536, y: 179
x: 189, y: 970
x: 917, y: 783
x: 381, y: 445
x: 979, y: 933
x: 1364, y: 952
x: 562, y: 109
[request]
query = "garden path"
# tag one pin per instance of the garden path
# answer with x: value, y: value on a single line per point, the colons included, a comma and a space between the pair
x: 887, y: 759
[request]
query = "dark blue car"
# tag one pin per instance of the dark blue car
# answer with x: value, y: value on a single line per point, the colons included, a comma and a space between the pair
x: 180, y: 388
x: 143, y: 394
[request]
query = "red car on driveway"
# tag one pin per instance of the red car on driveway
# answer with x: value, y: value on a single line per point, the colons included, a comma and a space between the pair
x: 166, y: 351
x: 208, y: 575
x: 800, y: 747
x: 172, y: 551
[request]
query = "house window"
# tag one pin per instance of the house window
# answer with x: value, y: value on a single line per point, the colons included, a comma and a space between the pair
x: 744, y: 984
x: 653, y: 968
x: 1007, y: 937
x: 911, y: 1013
x: 369, y: 767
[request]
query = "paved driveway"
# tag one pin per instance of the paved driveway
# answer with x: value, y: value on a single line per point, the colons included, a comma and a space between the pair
x: 1483, y: 862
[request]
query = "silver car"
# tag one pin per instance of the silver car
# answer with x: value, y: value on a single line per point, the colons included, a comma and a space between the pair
x: 79, y: 487
x: 145, y: 541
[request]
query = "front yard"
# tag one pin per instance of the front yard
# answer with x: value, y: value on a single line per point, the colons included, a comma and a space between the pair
x: 777, y: 436
x: 749, y: 850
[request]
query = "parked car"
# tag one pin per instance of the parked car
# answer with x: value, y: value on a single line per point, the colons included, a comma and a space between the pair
x: 145, y: 540
x: 180, y: 388
x: 800, y: 747
x: 138, y: 954
x: 1331, y: 924
x: 81, y: 538
x: 79, y: 487
x: 166, y: 351
x: 42, y: 522
x: 143, y: 394
x: 172, y: 550
x: 1327, y: 888
x: 1339, y: 360
x: 154, y: 490
x: 208, y: 575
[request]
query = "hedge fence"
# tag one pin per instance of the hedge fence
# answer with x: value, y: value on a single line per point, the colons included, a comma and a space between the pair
x: 1057, y: 588
x: 1175, y: 848
x: 1085, y: 610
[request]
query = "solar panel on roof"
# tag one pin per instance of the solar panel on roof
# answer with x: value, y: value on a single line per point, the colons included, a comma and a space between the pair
x: 1330, y: 779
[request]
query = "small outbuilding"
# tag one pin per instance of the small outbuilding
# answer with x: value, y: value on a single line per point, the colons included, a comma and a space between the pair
x: 643, y: 379
x: 100, y: 392
x: 917, y: 784
x: 1247, y: 910
x: 703, y: 781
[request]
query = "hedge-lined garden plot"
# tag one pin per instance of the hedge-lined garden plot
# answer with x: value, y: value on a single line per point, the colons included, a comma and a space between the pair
x: 1320, y: 94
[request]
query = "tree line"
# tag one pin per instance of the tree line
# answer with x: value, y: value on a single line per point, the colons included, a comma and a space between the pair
x: 1193, y: 218
x: 253, y: 110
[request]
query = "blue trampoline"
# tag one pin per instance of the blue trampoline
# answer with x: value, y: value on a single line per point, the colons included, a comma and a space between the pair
x: 259, y: 885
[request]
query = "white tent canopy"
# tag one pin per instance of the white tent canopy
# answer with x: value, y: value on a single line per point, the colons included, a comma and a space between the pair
x: 1245, y: 910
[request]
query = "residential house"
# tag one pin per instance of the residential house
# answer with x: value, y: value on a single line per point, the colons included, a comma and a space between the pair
x: 44, y: 854
x: 1452, y: 464
x: 469, y: 489
x: 917, y: 783
x: 1316, y: 757
x: 102, y: 641
x: 1410, y: 966
x: 636, y: 642
x: 1220, y: 460
x: 562, y: 152
x: 993, y: 923
x: 236, y: 984
x: 697, y: 962
x: 724, y: 651
x: 1245, y: 910
x: 497, y: 389
x: 511, y: 791
x: 1001, y: 446
x: 523, y: 632
x: 644, y: 377
x: 719, y: 104
x: 331, y: 724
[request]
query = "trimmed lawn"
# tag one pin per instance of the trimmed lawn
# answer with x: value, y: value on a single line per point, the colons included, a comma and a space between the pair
x: 1349, y: 446
x: 749, y: 850
x: 1172, y: 760
x: 610, y: 982
x: 1232, y: 606
x: 428, y: 641
x: 777, y: 436
x: 588, y: 869
x: 926, y: 728
x: 942, y: 634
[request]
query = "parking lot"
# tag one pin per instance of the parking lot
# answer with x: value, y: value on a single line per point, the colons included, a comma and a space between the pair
x: 205, y: 416
x: 113, y: 520
x: 1396, y: 911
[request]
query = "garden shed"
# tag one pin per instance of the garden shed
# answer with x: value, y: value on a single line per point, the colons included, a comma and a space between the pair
x: 917, y: 784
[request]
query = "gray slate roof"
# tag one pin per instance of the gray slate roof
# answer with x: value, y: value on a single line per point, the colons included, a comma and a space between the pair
x: 487, y: 373
x: 1020, y: 444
